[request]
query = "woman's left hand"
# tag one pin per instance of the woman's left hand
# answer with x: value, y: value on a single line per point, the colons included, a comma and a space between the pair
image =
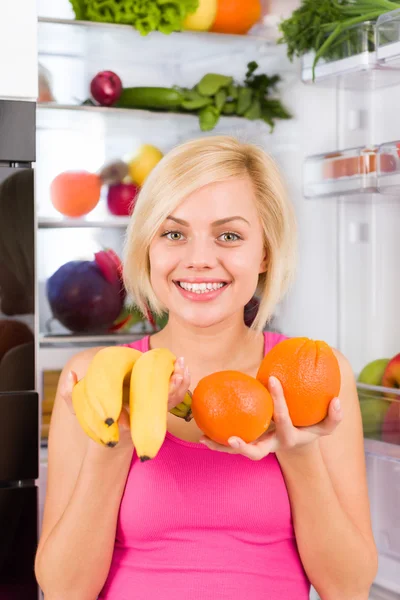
x: 284, y: 435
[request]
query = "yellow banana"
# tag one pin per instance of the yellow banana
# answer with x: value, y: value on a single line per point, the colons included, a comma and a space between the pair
x: 148, y: 404
x: 108, y: 372
x: 91, y: 423
x: 178, y: 412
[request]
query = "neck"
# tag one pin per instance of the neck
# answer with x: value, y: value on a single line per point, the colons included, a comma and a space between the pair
x: 218, y: 347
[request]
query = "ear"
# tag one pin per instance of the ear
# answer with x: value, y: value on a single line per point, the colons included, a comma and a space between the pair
x: 264, y: 264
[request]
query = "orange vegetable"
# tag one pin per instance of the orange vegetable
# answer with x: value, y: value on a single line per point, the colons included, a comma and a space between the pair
x: 236, y: 16
x: 75, y: 193
x: 310, y: 376
x: 230, y: 403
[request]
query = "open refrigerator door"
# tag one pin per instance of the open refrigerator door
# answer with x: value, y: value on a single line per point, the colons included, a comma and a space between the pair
x: 339, y: 153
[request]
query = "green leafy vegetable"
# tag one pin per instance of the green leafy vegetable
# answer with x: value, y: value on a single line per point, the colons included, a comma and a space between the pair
x: 220, y: 99
x: 208, y: 118
x: 145, y: 15
x: 211, y: 83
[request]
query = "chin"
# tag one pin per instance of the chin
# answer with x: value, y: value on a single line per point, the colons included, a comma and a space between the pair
x: 202, y: 317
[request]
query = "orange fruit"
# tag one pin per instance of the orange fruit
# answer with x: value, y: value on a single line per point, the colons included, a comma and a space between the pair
x: 75, y: 193
x: 230, y: 403
x: 236, y: 16
x: 310, y: 376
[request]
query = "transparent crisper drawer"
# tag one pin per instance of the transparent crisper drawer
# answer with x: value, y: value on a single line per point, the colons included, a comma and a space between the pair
x: 383, y: 472
x: 351, y: 171
x: 389, y: 168
x: 388, y: 38
x: 380, y: 406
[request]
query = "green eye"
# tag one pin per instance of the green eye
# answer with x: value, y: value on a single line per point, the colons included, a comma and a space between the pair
x: 229, y: 236
x: 174, y: 236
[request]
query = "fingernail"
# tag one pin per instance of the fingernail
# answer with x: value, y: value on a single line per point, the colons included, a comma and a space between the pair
x: 181, y: 361
x: 234, y: 443
x: 186, y: 372
x: 336, y: 404
x: 272, y: 381
x: 70, y: 377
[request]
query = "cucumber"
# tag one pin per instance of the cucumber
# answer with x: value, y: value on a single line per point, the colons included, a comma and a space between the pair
x: 157, y: 98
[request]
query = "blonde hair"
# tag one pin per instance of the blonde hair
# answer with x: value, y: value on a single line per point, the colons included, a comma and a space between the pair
x: 189, y: 167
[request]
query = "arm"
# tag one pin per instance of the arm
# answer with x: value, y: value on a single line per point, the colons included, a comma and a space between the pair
x: 84, y: 490
x: 328, y: 493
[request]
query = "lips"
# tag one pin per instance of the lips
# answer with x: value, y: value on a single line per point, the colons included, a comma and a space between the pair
x: 201, y: 290
x: 203, y: 287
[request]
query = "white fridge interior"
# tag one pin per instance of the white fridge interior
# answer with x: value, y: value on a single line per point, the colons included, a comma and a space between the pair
x: 347, y: 287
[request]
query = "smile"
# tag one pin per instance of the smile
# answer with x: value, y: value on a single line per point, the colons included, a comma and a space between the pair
x: 201, y: 291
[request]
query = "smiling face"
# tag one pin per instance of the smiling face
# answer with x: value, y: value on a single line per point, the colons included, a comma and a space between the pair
x: 206, y: 257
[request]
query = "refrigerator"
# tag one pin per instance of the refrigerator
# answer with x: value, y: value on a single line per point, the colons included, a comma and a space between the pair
x: 340, y: 157
x: 19, y: 403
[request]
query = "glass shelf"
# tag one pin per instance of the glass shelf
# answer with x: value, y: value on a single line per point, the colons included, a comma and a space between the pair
x: 352, y: 171
x: 64, y: 222
x: 356, y: 60
x: 61, y: 340
x: 62, y: 115
x: 111, y: 38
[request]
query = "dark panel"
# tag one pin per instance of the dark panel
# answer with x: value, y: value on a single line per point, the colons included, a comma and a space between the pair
x: 17, y: 131
x: 18, y: 543
x: 19, y: 437
x: 17, y: 280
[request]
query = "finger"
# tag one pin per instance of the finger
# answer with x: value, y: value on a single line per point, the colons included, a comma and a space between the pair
x: 123, y: 420
x: 218, y: 447
x: 175, y: 383
x: 283, y: 423
x: 179, y: 367
x: 183, y: 386
x: 258, y: 449
x: 66, y: 390
x: 331, y: 421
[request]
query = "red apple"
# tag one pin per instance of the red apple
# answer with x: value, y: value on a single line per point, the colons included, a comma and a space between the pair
x: 391, y: 376
x: 106, y: 88
x: 391, y: 423
x: 121, y: 198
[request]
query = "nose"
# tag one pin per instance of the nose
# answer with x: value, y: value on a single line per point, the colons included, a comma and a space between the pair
x: 200, y: 254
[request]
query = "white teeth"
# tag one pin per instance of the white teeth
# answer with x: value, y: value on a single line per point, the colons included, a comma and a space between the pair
x: 200, y: 288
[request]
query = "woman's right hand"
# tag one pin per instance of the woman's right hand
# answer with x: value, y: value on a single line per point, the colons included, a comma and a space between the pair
x: 179, y: 385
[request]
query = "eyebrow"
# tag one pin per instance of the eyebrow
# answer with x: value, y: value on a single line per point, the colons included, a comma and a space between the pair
x: 215, y: 223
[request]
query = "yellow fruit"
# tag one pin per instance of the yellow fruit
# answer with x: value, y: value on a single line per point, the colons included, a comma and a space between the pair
x: 148, y: 405
x: 91, y: 423
x: 203, y: 17
x: 108, y: 372
x: 143, y: 163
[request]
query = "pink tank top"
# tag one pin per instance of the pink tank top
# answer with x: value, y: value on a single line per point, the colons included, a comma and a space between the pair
x: 195, y: 524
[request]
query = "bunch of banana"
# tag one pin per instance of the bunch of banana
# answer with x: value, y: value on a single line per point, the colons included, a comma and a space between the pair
x: 119, y: 373
x: 183, y: 410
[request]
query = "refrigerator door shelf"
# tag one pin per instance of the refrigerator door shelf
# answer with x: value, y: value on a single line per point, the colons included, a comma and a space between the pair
x: 360, y: 57
x: 362, y: 170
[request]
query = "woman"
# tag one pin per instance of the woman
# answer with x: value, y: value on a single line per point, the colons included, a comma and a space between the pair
x: 202, y: 521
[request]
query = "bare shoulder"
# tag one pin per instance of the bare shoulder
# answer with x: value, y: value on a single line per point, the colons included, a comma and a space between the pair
x: 348, y: 382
